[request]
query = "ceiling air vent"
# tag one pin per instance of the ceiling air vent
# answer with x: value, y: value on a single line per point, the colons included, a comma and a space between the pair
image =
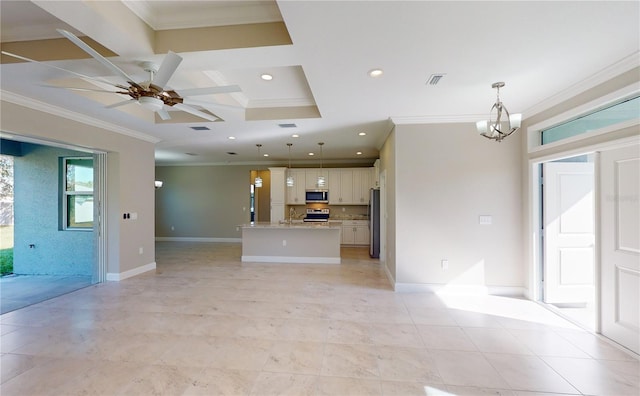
x: 200, y: 128
x: 435, y: 78
x: 287, y: 125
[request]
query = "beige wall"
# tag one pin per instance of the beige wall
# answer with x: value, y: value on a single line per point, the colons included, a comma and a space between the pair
x: 446, y: 176
x: 130, y: 164
x: 202, y: 201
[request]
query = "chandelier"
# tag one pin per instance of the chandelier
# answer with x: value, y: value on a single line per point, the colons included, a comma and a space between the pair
x: 493, y: 128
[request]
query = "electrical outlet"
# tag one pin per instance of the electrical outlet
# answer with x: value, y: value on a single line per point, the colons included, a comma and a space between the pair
x: 141, y: 250
x: 284, y: 242
x: 444, y: 264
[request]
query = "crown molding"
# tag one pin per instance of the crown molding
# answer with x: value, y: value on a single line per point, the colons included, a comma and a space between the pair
x: 33, y: 104
x: 624, y: 65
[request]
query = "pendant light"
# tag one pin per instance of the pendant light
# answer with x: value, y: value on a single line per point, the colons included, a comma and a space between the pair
x: 493, y: 128
x: 290, y: 180
x: 258, y: 181
x: 321, y: 180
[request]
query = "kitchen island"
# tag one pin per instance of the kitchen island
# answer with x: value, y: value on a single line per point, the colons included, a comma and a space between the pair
x: 317, y: 243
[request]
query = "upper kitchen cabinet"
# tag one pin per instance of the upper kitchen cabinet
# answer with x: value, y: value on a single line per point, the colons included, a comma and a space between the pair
x: 295, y: 194
x: 362, y: 182
x: 340, y: 186
x: 350, y: 186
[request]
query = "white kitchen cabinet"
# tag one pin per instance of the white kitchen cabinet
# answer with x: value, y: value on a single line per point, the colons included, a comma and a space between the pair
x: 341, y: 186
x: 277, y: 194
x: 295, y: 194
x: 355, y: 232
x: 311, y: 178
x: 362, y: 182
x: 350, y: 186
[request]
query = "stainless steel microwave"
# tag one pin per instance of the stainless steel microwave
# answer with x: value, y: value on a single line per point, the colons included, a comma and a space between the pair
x: 316, y: 196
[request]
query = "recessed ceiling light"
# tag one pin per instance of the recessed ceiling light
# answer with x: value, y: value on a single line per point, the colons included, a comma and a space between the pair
x: 311, y: 154
x: 362, y: 134
x: 295, y: 135
x: 266, y: 76
x: 231, y: 138
x: 265, y: 155
x: 375, y: 73
x: 359, y: 153
x: 232, y: 153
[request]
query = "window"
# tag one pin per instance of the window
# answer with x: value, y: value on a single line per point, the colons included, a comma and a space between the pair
x: 626, y: 110
x: 77, y: 200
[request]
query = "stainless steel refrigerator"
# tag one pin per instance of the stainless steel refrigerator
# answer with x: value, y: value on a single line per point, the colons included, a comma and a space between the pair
x: 374, y: 223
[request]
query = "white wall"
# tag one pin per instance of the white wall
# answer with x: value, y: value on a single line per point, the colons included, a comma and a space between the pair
x: 130, y: 164
x: 446, y: 176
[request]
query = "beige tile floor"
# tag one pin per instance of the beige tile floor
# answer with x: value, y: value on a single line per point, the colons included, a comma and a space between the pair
x: 207, y: 324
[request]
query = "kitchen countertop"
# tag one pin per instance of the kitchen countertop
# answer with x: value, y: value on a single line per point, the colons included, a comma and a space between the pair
x: 307, y: 225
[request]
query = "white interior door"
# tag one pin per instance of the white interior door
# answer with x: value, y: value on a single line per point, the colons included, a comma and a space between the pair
x: 569, y: 232
x: 620, y: 256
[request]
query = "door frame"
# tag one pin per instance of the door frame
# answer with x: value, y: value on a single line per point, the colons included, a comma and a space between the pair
x: 536, y: 260
x: 534, y: 235
x: 101, y: 251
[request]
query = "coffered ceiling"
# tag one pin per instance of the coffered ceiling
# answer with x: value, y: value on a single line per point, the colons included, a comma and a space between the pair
x: 319, y: 54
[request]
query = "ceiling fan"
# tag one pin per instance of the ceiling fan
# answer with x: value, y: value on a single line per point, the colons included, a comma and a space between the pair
x: 153, y: 94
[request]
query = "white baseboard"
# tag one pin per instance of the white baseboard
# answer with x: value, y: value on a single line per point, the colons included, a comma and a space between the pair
x: 132, y: 272
x: 474, y: 290
x: 287, y: 259
x: 190, y: 239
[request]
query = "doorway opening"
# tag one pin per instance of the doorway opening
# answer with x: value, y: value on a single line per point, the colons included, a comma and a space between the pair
x: 58, y: 226
x: 260, y: 196
x: 567, y: 270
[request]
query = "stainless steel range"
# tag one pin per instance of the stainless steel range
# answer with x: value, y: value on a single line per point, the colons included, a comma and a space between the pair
x: 317, y: 215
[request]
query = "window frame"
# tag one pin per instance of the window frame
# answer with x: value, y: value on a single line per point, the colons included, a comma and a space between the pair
x: 65, y: 194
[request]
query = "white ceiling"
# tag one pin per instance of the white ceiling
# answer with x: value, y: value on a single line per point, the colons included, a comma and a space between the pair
x: 540, y: 49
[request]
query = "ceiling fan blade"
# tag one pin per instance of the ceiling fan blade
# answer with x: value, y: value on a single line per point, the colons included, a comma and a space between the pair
x: 164, y: 114
x: 223, y: 111
x: 61, y: 69
x: 195, y: 112
x: 123, y: 103
x: 204, y: 103
x: 167, y: 68
x: 209, y: 90
x: 83, y: 46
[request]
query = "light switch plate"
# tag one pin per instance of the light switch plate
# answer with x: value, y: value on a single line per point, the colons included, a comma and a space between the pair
x: 485, y: 220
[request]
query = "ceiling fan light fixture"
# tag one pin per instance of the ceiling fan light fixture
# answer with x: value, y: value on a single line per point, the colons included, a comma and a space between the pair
x: 150, y: 103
